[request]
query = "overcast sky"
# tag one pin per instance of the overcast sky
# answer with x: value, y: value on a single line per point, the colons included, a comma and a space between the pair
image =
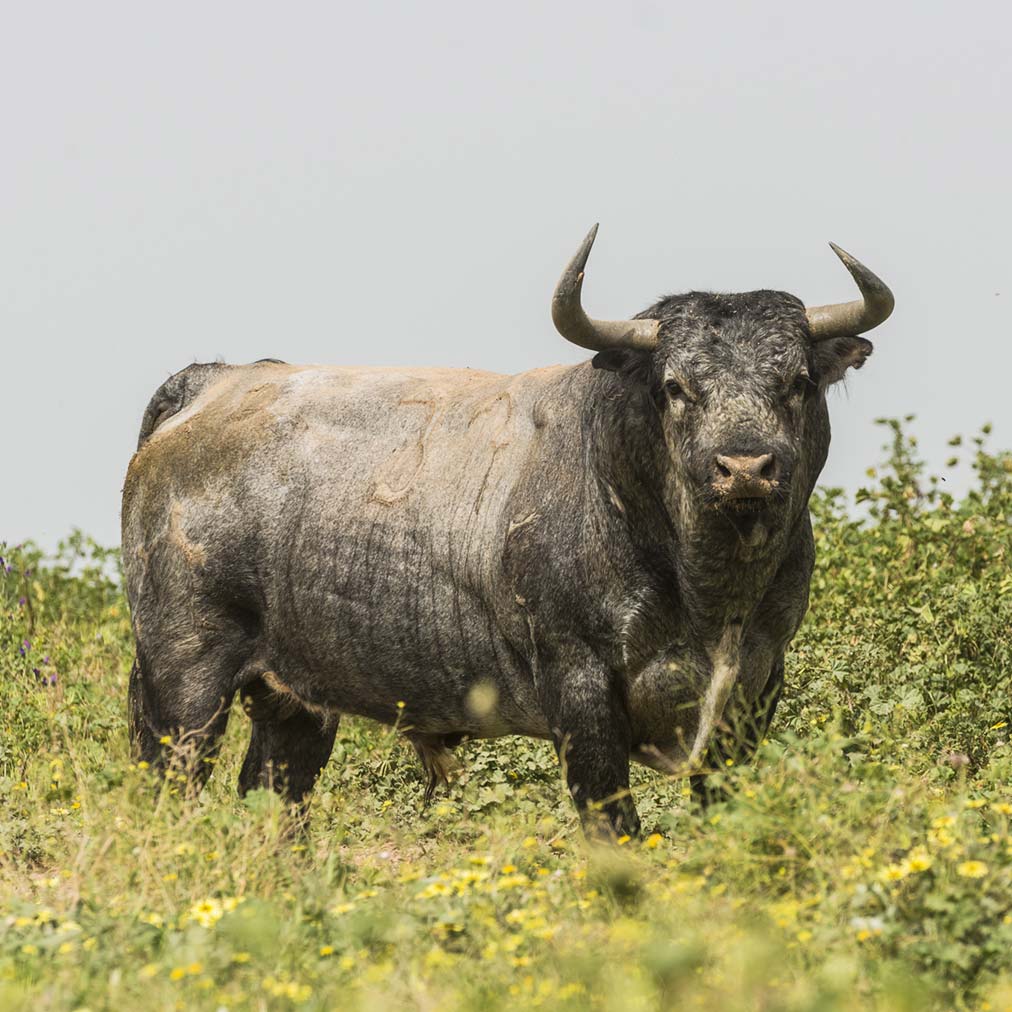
x: 403, y: 183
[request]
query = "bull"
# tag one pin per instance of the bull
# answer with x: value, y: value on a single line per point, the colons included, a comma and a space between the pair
x: 613, y: 555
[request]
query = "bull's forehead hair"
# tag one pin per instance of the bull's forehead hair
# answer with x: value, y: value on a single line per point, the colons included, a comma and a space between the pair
x: 708, y: 328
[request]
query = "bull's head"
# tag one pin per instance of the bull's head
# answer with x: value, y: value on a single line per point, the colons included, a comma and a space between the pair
x: 739, y: 381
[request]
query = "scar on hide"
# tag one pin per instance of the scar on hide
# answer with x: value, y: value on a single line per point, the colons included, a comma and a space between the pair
x: 193, y: 552
x: 616, y: 501
x: 382, y: 491
x: 498, y: 441
x: 516, y: 525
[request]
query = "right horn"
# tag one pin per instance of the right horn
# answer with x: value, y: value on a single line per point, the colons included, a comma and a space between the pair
x: 598, y: 335
x: 852, y: 318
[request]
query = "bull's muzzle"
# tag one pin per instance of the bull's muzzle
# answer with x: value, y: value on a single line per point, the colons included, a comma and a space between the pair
x: 743, y: 483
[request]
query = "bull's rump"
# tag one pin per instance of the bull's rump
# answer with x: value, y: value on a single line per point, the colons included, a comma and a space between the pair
x: 363, y: 514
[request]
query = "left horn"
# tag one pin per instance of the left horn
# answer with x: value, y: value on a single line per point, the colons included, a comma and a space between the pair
x: 852, y: 318
x: 598, y: 335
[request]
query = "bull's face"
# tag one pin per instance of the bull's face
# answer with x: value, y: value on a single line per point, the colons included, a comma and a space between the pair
x: 732, y: 388
x: 740, y: 389
x: 739, y: 384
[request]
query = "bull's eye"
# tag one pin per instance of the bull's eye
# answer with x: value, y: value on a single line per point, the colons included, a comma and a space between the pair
x: 800, y: 386
x: 673, y: 389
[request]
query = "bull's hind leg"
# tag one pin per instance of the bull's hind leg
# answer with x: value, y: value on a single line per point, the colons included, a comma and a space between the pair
x: 190, y: 656
x: 289, y: 745
x: 179, y: 710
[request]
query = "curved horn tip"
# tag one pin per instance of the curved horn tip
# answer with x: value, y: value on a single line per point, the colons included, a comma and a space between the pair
x: 596, y: 335
x: 857, y: 317
x: 842, y: 254
x: 585, y: 247
x: 861, y: 274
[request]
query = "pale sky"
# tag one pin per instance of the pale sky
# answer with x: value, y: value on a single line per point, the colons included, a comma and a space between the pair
x: 403, y: 183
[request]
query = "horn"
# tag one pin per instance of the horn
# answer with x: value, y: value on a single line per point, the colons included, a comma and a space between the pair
x: 852, y: 318
x: 598, y: 335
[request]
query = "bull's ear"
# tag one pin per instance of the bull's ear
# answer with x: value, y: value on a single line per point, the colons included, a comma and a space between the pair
x: 834, y: 356
x: 629, y: 363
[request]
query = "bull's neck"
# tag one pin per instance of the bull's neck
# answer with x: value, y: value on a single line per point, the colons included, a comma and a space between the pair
x: 693, y: 556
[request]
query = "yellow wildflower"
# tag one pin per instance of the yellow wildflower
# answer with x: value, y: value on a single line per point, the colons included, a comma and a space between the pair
x: 207, y: 913
x: 971, y: 869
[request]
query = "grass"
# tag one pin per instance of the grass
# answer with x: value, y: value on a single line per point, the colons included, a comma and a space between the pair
x: 864, y: 861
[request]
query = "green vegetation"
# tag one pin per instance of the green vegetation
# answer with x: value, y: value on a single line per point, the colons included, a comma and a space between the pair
x: 863, y: 862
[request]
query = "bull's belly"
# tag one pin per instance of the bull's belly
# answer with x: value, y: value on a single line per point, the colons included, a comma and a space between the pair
x: 427, y: 656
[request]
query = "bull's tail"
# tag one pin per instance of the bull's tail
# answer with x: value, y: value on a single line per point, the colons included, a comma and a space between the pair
x: 143, y: 744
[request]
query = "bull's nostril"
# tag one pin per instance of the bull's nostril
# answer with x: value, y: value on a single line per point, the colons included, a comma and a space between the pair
x: 743, y: 469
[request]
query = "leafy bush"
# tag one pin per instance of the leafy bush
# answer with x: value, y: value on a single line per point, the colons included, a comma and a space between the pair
x: 862, y: 862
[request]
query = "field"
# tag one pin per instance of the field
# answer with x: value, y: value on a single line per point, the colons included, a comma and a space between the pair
x: 864, y: 861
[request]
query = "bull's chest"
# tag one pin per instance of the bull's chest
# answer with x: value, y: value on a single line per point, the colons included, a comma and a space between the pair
x: 676, y: 702
x: 662, y: 697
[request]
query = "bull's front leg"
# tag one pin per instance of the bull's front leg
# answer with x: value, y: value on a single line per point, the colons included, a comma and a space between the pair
x: 590, y: 727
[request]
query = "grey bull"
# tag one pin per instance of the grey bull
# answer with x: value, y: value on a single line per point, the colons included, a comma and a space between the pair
x: 613, y: 555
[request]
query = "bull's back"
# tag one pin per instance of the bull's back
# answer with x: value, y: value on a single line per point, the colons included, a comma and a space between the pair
x: 385, y: 433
